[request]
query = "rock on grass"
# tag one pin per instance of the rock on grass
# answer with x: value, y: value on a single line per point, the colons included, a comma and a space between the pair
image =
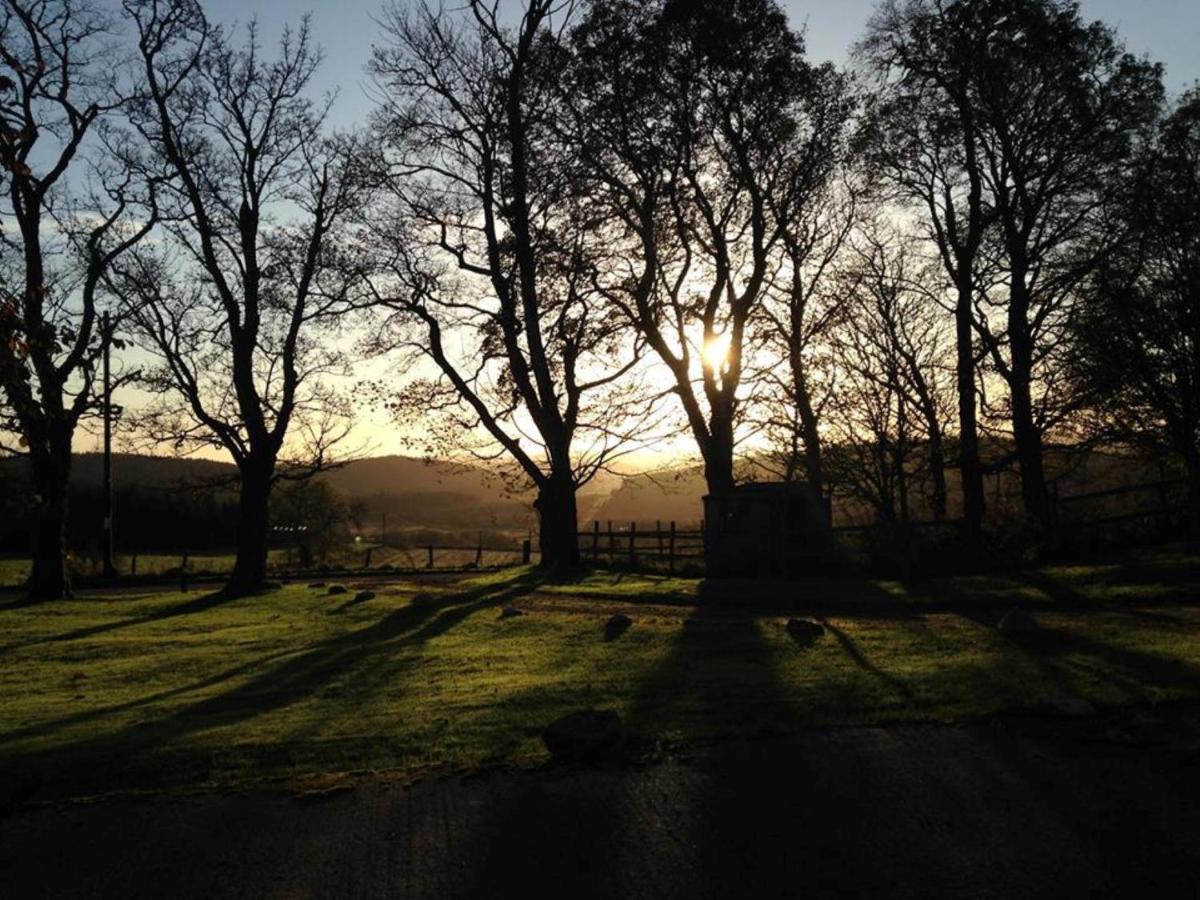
x: 336, y: 589
x: 589, y: 734
x: 804, y: 631
x: 1017, y: 621
x: 509, y: 612
x: 616, y: 626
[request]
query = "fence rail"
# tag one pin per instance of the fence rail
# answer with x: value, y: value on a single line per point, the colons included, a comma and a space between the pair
x: 637, y: 543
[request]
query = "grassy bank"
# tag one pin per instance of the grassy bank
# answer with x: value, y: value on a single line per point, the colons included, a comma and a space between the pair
x: 166, y: 690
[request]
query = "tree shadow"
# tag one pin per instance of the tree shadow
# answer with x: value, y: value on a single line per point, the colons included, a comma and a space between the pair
x: 1124, y: 667
x: 852, y: 650
x: 293, y: 677
x: 200, y: 604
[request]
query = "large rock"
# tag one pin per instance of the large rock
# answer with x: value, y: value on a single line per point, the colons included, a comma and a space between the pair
x: 364, y: 596
x: 616, y: 626
x: 509, y: 612
x: 586, y: 735
x: 1017, y: 621
x: 804, y: 631
x: 336, y: 589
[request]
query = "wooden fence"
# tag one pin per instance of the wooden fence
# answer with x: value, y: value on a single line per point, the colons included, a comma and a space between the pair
x: 636, y: 544
x: 1160, y: 500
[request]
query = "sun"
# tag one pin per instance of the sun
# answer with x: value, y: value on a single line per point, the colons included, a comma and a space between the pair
x: 716, y: 352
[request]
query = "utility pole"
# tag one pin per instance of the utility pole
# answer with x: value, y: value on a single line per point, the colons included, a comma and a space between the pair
x: 107, y: 548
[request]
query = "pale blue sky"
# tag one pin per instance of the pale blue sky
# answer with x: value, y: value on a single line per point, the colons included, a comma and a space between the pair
x: 1167, y: 30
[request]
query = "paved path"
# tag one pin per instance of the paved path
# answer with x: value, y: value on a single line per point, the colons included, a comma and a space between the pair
x: 1039, y: 808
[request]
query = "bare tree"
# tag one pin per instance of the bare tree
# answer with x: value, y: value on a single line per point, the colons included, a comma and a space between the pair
x: 924, y: 140
x: 75, y: 207
x: 490, y: 250
x: 243, y: 303
x: 700, y: 125
x: 1061, y: 108
x: 894, y: 341
x: 1136, y: 346
x: 799, y: 314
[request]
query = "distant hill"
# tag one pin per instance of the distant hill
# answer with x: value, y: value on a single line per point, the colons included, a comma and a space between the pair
x: 411, y: 492
x: 666, y: 496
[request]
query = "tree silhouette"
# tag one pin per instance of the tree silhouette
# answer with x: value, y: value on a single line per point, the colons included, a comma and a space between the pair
x: 75, y: 206
x: 242, y: 304
x: 1137, y: 340
x: 701, y: 128
x: 488, y: 253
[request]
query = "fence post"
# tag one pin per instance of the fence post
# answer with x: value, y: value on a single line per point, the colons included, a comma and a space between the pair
x: 183, y: 573
x: 479, y: 551
x: 429, y: 562
x: 658, y: 535
x: 632, y: 550
x: 595, y: 541
x: 612, y: 549
x: 133, y: 564
x: 671, y: 557
x: 526, y: 552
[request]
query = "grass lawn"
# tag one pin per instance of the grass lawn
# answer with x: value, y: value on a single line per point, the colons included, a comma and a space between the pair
x: 151, y: 691
x: 14, y: 572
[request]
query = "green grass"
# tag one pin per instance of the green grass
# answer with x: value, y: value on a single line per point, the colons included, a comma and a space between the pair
x: 14, y: 572
x: 165, y: 690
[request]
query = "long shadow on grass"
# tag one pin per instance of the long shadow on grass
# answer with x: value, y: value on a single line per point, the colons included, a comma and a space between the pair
x: 724, y: 824
x: 75, y: 765
x: 717, y: 678
x: 1124, y: 667
x: 200, y: 604
x: 890, y: 681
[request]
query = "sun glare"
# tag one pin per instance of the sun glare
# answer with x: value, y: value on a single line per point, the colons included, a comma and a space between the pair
x: 716, y: 351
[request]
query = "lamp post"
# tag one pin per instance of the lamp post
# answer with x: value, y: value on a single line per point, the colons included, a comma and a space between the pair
x: 107, y: 542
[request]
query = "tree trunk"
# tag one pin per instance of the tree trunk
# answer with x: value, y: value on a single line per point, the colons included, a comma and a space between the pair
x: 250, y: 568
x: 813, y: 467
x: 51, y: 474
x: 809, y: 430
x: 970, y: 470
x: 558, y: 528
x: 718, y: 456
x: 937, y: 471
x: 1026, y: 436
x: 1192, y: 462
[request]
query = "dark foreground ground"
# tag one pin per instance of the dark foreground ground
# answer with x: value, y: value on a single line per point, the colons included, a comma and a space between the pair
x: 1054, y: 807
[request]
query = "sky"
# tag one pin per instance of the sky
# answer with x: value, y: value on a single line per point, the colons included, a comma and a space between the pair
x: 1167, y: 30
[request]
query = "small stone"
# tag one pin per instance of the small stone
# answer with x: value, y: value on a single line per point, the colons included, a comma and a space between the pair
x: 584, y: 735
x: 336, y: 589
x: 804, y: 631
x: 616, y: 626
x: 509, y: 612
x: 316, y: 584
x: 364, y: 596
x: 1017, y: 621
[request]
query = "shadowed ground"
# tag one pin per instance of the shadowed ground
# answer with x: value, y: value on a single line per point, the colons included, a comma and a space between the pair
x: 1035, y: 808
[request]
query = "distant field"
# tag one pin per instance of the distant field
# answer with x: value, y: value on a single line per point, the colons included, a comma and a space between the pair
x: 14, y: 572
x: 155, y: 690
